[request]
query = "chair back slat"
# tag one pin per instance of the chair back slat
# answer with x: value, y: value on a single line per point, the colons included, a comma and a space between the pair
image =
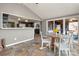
x: 41, y: 35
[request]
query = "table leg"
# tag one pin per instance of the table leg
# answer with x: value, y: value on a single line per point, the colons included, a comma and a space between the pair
x: 54, y: 49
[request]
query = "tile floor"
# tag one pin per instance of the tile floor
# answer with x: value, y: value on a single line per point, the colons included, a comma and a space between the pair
x: 31, y: 48
x: 26, y: 49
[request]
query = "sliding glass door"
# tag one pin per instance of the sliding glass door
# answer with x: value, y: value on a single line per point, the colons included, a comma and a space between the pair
x: 72, y: 25
x: 50, y: 26
x: 59, y: 25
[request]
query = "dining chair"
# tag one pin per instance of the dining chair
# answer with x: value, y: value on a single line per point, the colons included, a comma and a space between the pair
x: 65, y: 44
x: 45, y: 40
x: 74, y: 40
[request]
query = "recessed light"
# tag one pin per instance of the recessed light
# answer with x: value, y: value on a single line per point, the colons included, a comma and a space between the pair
x: 19, y: 18
x: 72, y: 19
x: 26, y: 20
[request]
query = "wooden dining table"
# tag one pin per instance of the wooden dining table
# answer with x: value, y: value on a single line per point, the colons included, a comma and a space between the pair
x: 53, y: 39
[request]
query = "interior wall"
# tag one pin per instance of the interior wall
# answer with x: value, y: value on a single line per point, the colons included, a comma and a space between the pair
x: 44, y: 27
x: 20, y: 34
x: 12, y: 36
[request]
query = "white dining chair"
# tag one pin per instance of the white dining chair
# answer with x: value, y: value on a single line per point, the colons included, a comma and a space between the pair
x: 73, y: 42
x: 44, y: 41
x: 65, y: 44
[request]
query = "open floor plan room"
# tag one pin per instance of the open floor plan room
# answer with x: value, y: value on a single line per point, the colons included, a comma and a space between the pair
x: 39, y: 29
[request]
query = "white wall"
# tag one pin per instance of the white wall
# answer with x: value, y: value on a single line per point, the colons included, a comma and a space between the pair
x: 0, y: 20
x: 44, y: 27
x: 20, y: 34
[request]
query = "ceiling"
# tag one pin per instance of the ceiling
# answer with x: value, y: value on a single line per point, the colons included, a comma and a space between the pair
x: 53, y: 10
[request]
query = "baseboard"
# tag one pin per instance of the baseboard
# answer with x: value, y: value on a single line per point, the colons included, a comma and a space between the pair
x: 19, y: 42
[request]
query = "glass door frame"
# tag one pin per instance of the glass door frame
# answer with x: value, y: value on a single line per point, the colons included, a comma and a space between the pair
x: 64, y: 25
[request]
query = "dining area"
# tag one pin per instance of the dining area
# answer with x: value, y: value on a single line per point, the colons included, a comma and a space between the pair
x: 60, y: 44
x: 61, y: 37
